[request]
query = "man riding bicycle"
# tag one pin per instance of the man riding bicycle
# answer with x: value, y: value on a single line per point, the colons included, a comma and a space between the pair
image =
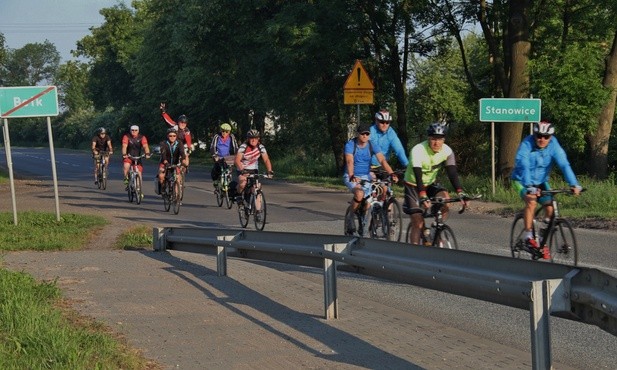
x: 426, y: 159
x: 184, y: 134
x: 247, y: 159
x: 172, y: 152
x: 101, y: 142
x: 358, y: 153
x: 223, y: 145
x: 534, y: 160
x: 132, y: 145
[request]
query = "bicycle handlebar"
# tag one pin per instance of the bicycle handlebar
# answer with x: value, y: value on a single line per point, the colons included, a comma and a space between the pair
x: 567, y: 191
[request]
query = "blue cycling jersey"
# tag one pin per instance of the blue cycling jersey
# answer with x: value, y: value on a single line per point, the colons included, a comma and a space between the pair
x: 533, y: 165
x: 388, y: 142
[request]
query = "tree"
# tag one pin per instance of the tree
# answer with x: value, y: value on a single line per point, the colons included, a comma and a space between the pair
x: 72, y: 81
x: 32, y: 64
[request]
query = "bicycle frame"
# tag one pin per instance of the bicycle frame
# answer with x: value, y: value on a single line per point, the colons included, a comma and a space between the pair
x: 252, y: 195
x: 135, y: 180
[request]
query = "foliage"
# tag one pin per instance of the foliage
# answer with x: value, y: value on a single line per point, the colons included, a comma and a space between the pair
x: 72, y: 81
x: 135, y: 238
x: 35, y: 334
x: 32, y: 64
x: 41, y: 231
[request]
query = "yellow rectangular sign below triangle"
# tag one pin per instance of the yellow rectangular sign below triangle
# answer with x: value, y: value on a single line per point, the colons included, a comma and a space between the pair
x: 358, y: 78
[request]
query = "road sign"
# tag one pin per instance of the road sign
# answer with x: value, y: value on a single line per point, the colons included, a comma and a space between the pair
x: 510, y: 110
x: 357, y: 96
x: 28, y: 101
x: 358, y: 78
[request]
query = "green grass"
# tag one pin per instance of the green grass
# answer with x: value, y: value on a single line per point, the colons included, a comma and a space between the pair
x: 37, y: 333
x: 139, y: 237
x: 40, y: 231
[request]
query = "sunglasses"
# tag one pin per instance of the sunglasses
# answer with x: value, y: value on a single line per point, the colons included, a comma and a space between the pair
x: 134, y: 130
x: 545, y: 137
x: 384, y: 122
x: 171, y: 135
x: 365, y: 133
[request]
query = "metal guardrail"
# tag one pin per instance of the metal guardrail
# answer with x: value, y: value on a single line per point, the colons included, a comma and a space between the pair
x: 576, y: 293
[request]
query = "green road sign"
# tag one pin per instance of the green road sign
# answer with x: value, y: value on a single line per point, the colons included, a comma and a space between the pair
x: 28, y: 101
x: 510, y: 110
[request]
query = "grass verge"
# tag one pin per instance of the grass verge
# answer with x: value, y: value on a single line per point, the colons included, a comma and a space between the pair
x: 139, y: 237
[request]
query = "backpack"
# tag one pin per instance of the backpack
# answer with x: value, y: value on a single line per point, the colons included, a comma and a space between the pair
x: 370, y: 147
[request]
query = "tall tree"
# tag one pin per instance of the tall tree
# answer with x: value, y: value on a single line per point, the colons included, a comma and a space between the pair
x: 72, y: 81
x: 32, y: 64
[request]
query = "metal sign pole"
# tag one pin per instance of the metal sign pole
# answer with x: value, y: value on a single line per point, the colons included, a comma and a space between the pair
x: 9, y: 164
x: 53, y: 167
x: 358, y: 110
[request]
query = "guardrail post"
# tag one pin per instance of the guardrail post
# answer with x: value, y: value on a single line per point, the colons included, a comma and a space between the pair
x: 540, y: 330
x: 330, y: 292
x: 221, y: 256
x: 159, y: 239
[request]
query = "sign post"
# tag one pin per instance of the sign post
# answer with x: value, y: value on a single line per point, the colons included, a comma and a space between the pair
x: 507, y: 110
x: 358, y: 88
x: 29, y: 101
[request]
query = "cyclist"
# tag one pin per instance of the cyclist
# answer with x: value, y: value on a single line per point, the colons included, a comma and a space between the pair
x: 247, y: 159
x: 184, y: 134
x: 132, y: 144
x: 358, y: 153
x: 100, y: 142
x: 426, y: 159
x: 223, y: 145
x: 387, y: 139
x: 534, y: 160
x: 172, y: 152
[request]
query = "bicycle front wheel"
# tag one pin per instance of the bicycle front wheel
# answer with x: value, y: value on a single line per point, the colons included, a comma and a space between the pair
x: 516, y: 237
x: 176, y: 197
x: 167, y: 196
x: 103, y: 179
x: 259, y: 214
x: 562, y: 243
x: 444, y: 238
x: 219, y: 196
x: 99, y: 178
x: 393, y: 220
x: 243, y: 214
x: 131, y: 189
x: 352, y: 224
x: 138, y: 193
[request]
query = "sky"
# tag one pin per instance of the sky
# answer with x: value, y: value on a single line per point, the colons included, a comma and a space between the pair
x: 62, y: 22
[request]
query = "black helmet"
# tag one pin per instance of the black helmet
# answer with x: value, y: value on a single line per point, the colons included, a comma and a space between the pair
x: 252, y: 133
x: 437, y: 129
x: 183, y: 118
x: 172, y: 129
x: 101, y: 130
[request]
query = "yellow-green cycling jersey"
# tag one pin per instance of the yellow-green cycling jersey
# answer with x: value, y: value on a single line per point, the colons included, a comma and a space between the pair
x: 429, y: 162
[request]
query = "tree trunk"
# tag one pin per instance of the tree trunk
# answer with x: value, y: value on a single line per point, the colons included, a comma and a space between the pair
x: 519, y: 82
x: 598, y: 142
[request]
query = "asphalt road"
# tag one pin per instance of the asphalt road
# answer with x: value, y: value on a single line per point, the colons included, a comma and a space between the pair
x: 300, y: 208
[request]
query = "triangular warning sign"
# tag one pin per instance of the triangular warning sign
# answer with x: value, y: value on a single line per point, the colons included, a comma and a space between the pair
x: 358, y: 78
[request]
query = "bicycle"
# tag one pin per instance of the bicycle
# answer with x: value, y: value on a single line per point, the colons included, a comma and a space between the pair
x: 252, y: 202
x: 438, y: 234
x: 558, y: 232
x: 134, y: 187
x: 385, y: 218
x: 222, y: 186
x: 172, y: 190
x: 101, y: 173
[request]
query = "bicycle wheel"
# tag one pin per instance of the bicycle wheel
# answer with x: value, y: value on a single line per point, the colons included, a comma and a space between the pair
x: 138, y: 193
x: 516, y: 237
x: 243, y: 214
x: 176, y: 197
x: 562, y: 243
x: 393, y: 220
x: 444, y: 238
x: 131, y: 189
x: 167, y: 196
x: 103, y: 179
x: 260, y: 210
x: 99, y: 178
x: 352, y: 224
x: 219, y: 196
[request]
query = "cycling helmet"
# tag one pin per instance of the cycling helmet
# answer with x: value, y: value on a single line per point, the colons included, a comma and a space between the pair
x: 183, y: 118
x: 252, y: 133
x: 172, y: 129
x: 225, y: 127
x: 101, y: 130
x: 437, y: 129
x: 383, y: 115
x: 543, y: 128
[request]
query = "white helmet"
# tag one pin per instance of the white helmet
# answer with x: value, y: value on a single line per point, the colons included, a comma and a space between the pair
x: 383, y: 115
x: 543, y: 128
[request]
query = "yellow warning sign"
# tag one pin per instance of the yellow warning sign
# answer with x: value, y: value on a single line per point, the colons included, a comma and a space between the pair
x: 358, y: 79
x: 357, y: 96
